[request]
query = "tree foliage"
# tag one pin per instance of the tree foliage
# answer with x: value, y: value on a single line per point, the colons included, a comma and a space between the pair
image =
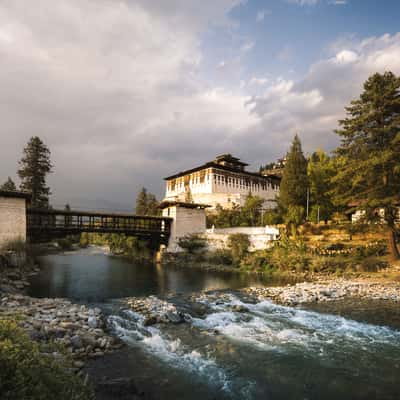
x: 8, y: 185
x: 192, y: 243
x: 29, y: 371
x: 293, y: 188
x: 250, y: 214
x: 239, y: 244
x: 320, y: 171
x: 34, y: 167
x: 146, y: 203
x: 370, y: 151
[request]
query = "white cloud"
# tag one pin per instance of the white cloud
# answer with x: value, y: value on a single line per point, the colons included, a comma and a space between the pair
x: 262, y: 14
x: 258, y: 81
x: 313, y: 105
x: 247, y: 46
x: 304, y: 2
x: 113, y: 90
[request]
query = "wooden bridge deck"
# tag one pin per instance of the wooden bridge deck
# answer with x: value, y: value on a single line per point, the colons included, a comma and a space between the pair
x: 45, y: 224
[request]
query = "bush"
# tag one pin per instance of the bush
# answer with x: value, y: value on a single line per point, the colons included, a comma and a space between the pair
x: 220, y: 256
x: 192, y: 243
x: 17, y: 245
x: 239, y: 244
x: 64, y: 243
x: 29, y: 371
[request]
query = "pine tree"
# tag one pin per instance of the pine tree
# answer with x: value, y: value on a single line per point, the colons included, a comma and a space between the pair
x: 294, y: 184
x: 370, y: 151
x: 8, y: 185
x: 320, y: 171
x: 34, y: 166
x: 146, y: 203
x: 141, y: 202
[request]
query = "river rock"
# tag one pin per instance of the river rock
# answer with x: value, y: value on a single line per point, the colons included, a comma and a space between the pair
x: 92, y: 322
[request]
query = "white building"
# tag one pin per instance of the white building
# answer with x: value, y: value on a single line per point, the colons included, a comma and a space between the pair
x: 223, y: 181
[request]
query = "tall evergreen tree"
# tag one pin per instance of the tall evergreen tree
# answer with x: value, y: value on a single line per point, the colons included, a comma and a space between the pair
x: 294, y: 184
x: 34, y: 167
x: 146, y: 203
x: 8, y: 185
x: 141, y: 202
x: 320, y: 170
x: 370, y: 151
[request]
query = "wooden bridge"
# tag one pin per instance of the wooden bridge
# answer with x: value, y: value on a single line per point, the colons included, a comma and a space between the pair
x: 45, y: 224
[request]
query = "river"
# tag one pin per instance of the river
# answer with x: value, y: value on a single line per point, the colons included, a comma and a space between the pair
x: 267, y: 352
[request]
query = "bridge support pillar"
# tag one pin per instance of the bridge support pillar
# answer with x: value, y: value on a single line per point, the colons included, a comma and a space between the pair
x: 12, y: 216
x: 187, y: 219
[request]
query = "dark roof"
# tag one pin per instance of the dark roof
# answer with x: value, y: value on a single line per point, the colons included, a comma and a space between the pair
x: 213, y: 164
x: 15, y: 194
x: 170, y: 203
x: 229, y: 158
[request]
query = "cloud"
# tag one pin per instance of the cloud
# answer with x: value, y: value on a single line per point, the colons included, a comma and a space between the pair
x: 113, y: 90
x: 312, y: 105
x: 262, y: 14
x: 304, y: 2
x: 247, y: 46
x: 258, y: 81
x: 121, y: 99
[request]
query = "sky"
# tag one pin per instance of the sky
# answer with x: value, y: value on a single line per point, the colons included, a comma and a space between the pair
x: 126, y: 92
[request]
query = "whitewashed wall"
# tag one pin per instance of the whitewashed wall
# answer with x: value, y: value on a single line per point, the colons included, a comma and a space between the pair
x: 12, y: 219
x: 260, y: 237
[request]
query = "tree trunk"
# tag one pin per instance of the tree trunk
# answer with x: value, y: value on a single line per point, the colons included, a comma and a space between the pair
x: 394, y: 252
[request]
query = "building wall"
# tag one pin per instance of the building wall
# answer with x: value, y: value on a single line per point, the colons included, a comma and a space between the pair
x: 260, y: 237
x: 12, y: 219
x: 214, y: 187
x: 186, y: 221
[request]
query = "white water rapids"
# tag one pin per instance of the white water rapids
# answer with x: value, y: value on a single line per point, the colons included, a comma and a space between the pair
x: 271, y: 351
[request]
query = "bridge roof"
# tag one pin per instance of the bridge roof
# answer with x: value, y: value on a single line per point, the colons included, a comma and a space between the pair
x: 52, y: 211
x: 15, y: 194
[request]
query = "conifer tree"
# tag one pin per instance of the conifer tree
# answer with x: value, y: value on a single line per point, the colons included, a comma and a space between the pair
x: 8, y: 185
x: 146, y: 203
x: 370, y: 151
x: 141, y: 202
x: 293, y: 188
x: 34, y: 167
x: 320, y: 170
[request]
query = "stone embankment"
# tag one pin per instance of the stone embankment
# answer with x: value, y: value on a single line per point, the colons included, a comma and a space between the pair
x: 308, y: 292
x: 78, y: 328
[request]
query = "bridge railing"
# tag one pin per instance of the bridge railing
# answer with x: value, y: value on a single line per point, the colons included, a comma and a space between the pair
x: 59, y: 222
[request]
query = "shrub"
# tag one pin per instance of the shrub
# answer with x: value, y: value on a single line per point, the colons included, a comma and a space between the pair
x: 29, y: 371
x: 239, y: 244
x: 192, y: 243
x: 220, y: 256
x: 17, y: 245
x: 65, y: 243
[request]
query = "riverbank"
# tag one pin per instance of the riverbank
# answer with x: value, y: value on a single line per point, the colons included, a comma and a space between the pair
x: 329, y: 290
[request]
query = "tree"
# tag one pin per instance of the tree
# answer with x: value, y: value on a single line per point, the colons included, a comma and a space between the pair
x: 294, y: 184
x: 370, y: 151
x: 34, y: 166
x: 8, y: 185
x: 239, y: 244
x: 251, y: 210
x: 293, y: 218
x: 320, y: 172
x: 146, y: 203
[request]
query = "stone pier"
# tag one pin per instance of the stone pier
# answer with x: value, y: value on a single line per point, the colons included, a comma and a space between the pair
x: 12, y: 216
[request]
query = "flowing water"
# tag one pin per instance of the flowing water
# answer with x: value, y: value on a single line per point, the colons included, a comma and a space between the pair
x: 236, y: 349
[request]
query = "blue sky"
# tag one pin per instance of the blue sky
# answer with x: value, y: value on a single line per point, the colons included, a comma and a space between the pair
x: 125, y: 92
x: 288, y: 37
